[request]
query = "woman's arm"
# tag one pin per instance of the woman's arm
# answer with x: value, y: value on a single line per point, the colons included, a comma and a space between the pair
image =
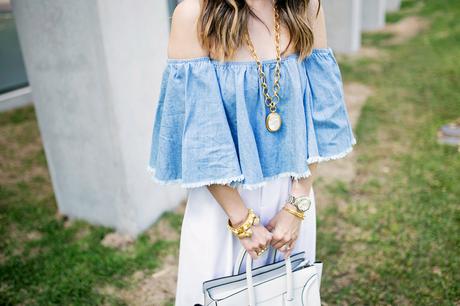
x: 318, y: 24
x: 302, y: 186
x: 231, y: 202
x: 183, y: 39
x: 184, y: 44
x: 285, y: 226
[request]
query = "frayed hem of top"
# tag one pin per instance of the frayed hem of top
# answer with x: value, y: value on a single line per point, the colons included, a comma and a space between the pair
x: 294, y: 175
x: 320, y: 159
x: 224, y: 181
x: 235, y: 181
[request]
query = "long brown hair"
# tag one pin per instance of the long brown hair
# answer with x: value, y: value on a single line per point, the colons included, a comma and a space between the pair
x: 223, y: 23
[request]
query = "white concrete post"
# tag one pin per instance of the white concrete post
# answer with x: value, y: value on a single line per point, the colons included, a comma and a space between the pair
x: 343, y: 23
x: 373, y: 15
x: 95, y: 69
x: 393, y: 5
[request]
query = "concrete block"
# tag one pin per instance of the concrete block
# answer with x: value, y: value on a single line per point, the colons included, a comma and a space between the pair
x: 393, y: 5
x: 95, y: 71
x: 373, y: 14
x: 343, y: 24
x: 15, y: 99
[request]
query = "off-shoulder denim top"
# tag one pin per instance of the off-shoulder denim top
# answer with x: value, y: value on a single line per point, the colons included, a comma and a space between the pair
x: 209, y: 125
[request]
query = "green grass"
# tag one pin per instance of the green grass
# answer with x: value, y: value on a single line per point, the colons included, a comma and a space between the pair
x: 389, y: 238
x: 396, y: 241
x: 62, y: 264
x: 406, y: 7
x: 375, y: 39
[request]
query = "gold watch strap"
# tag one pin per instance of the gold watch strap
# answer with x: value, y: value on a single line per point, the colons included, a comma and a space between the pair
x: 294, y: 212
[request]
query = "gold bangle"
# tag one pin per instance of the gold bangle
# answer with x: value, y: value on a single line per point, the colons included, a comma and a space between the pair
x: 294, y: 212
x: 244, y: 230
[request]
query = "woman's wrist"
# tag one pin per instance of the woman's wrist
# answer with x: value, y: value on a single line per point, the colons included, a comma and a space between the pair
x: 301, y: 187
x: 244, y: 229
x: 238, y: 216
x: 294, y: 211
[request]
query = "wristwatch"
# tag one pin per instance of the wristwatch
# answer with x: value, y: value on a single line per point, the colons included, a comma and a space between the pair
x: 302, y: 203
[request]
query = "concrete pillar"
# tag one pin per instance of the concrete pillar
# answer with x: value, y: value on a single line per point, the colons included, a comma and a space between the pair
x: 343, y: 23
x: 95, y: 69
x: 373, y: 15
x: 393, y: 5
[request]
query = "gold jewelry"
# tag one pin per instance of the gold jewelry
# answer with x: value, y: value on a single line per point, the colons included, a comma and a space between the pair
x: 302, y: 203
x: 273, y: 119
x: 260, y: 252
x: 244, y: 230
x: 294, y: 212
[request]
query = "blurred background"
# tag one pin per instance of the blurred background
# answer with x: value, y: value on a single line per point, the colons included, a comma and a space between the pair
x: 83, y: 223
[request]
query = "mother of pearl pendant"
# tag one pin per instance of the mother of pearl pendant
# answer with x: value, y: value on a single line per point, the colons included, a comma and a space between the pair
x: 273, y: 122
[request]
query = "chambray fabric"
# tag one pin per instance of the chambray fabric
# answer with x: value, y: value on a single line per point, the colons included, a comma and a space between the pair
x: 210, y: 128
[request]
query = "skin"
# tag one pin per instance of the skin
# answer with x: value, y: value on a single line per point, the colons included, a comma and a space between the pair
x: 283, y: 228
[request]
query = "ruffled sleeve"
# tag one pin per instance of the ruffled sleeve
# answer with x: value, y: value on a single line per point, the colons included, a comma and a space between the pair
x: 210, y: 121
x: 329, y: 132
x: 191, y: 140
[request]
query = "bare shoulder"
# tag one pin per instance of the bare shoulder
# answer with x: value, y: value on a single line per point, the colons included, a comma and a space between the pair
x: 183, y: 39
x: 313, y: 8
x: 317, y: 21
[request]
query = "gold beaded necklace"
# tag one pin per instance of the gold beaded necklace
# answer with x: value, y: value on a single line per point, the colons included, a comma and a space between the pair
x: 273, y: 119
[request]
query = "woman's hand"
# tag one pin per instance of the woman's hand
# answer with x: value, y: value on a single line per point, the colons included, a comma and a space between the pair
x: 233, y: 205
x: 284, y: 225
x: 259, y: 240
x: 285, y: 228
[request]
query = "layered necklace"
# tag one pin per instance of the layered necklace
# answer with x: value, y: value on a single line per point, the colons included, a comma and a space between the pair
x: 273, y: 119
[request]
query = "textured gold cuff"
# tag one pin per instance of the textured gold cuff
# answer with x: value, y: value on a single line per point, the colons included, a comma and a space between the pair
x: 244, y: 230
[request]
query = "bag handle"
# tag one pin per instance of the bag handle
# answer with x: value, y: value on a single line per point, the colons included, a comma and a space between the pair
x: 250, y: 284
x: 240, y: 258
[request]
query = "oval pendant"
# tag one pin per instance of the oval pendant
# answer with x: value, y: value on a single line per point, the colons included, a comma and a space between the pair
x: 273, y: 122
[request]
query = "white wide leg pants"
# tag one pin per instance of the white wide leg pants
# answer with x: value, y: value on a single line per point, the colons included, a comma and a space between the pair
x: 209, y: 250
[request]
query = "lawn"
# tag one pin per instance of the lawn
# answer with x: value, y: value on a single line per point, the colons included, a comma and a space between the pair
x: 390, y: 237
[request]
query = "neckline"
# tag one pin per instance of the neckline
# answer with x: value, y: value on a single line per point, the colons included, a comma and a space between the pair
x: 253, y: 62
x: 327, y: 50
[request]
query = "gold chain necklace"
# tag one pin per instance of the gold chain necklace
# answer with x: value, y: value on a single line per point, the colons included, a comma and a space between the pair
x: 273, y: 119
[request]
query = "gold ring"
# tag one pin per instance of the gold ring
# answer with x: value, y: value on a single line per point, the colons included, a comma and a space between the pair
x: 258, y: 253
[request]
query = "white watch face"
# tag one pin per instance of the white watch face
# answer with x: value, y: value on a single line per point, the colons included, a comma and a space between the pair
x: 303, y: 204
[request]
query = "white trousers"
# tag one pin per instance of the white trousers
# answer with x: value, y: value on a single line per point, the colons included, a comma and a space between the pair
x: 209, y: 250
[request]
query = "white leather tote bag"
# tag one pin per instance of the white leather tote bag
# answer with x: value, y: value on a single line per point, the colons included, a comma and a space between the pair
x: 290, y: 282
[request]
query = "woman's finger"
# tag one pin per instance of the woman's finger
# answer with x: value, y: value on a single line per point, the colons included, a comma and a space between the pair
x: 262, y: 245
x: 279, y: 244
x: 271, y: 224
x: 268, y: 237
x: 276, y: 238
x: 290, y: 246
x: 253, y: 254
